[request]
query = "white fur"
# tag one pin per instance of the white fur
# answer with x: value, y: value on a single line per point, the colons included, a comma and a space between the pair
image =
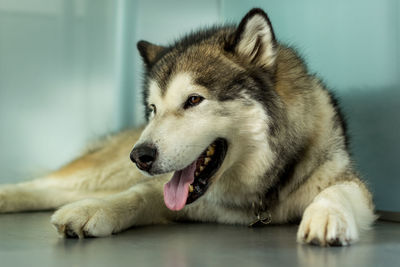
x: 154, y: 96
x: 40, y: 194
x: 249, y: 154
x: 336, y: 216
x: 89, y: 217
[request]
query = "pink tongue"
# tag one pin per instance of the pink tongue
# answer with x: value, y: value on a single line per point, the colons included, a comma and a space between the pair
x: 176, y: 191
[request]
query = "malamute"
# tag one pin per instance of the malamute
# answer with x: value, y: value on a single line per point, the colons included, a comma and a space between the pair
x: 238, y: 132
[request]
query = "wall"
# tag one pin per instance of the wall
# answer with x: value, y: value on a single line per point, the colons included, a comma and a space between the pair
x: 70, y: 72
x: 57, y: 81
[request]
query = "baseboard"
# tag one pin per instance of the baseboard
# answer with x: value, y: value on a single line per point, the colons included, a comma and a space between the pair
x: 391, y: 216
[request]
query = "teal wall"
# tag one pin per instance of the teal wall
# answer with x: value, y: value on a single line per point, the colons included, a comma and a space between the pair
x: 57, y: 81
x: 355, y: 47
x: 69, y: 72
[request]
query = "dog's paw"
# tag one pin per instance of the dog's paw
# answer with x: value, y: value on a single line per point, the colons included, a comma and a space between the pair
x: 325, y: 225
x: 85, y: 218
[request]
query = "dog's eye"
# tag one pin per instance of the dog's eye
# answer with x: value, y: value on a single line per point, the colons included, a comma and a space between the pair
x: 152, y: 108
x: 192, y: 101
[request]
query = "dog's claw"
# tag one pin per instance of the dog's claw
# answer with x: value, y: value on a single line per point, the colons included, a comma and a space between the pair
x: 86, y: 218
x: 70, y: 233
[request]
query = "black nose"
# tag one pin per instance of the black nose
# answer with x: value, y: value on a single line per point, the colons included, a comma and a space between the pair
x: 144, y: 155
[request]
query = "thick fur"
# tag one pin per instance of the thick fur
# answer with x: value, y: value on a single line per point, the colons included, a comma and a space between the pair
x: 287, y: 147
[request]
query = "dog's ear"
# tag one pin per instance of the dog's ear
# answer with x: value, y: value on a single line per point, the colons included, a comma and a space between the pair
x: 149, y: 52
x: 254, y: 39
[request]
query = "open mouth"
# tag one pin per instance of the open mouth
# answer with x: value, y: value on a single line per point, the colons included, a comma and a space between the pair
x: 190, y: 183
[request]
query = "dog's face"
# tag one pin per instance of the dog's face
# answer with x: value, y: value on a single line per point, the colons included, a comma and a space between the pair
x: 183, y: 121
x: 203, y: 100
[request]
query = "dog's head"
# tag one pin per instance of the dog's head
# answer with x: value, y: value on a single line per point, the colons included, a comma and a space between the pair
x: 208, y: 99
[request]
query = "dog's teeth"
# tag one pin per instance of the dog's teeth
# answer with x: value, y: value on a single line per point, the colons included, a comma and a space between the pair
x: 190, y: 188
x: 207, y: 160
x: 210, y: 151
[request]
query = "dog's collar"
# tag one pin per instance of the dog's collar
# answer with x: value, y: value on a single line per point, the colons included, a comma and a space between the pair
x: 261, y: 209
x: 262, y: 216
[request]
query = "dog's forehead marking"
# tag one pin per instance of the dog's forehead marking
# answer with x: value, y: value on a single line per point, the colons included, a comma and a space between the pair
x: 180, y: 86
x: 154, y: 93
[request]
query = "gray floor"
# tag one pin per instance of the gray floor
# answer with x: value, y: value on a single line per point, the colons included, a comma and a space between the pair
x: 29, y: 240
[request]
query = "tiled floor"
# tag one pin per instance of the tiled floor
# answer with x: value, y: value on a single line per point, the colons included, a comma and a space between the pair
x: 28, y: 239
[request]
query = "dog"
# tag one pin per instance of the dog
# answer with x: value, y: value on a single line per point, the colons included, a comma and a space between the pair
x: 238, y: 132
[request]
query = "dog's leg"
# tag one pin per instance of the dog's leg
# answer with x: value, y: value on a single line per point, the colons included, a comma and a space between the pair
x: 67, y: 185
x: 100, y: 172
x: 142, y: 204
x: 40, y: 194
x: 73, y: 182
x: 337, y: 215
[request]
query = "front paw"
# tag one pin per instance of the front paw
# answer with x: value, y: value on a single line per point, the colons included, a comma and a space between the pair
x: 325, y: 225
x: 85, y: 218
